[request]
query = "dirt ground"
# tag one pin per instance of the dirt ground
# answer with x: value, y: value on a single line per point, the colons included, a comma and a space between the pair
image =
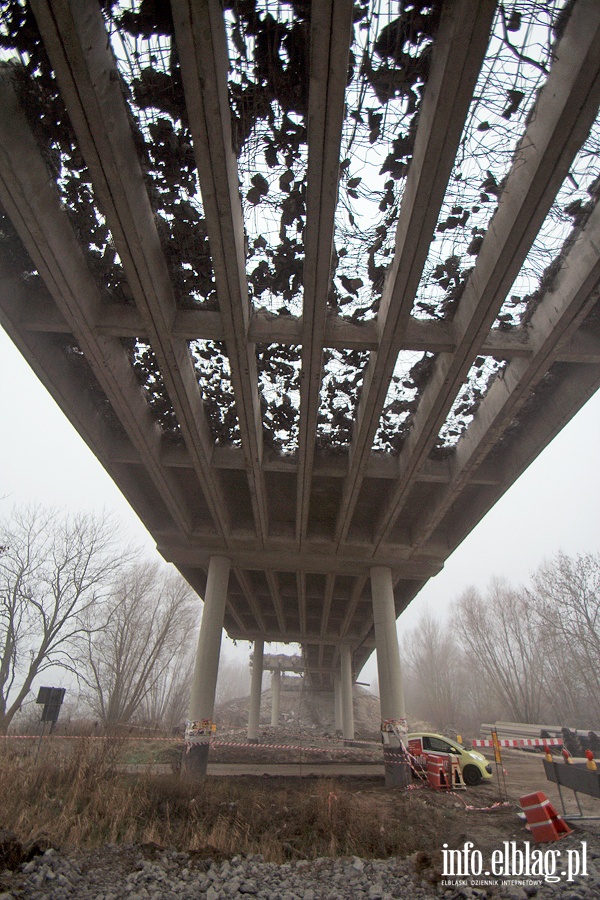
x: 487, y: 814
x: 334, y: 807
x: 470, y: 814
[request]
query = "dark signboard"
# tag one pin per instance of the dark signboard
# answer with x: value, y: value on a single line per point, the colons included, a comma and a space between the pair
x: 52, y: 699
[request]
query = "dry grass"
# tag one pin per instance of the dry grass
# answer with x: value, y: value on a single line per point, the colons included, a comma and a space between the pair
x: 77, y: 798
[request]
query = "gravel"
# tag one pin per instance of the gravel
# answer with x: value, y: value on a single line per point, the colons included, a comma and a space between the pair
x: 146, y: 872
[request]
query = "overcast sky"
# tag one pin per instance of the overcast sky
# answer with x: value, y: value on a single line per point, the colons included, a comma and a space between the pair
x: 554, y: 506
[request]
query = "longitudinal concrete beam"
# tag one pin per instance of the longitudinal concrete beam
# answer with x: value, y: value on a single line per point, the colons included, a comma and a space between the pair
x: 561, y: 120
x: 31, y: 200
x: 456, y: 60
x: 301, y: 587
x: 574, y: 292
x: 246, y: 586
x: 327, y: 601
x: 77, y: 43
x: 273, y: 583
x: 204, y: 59
x: 331, y: 35
x: 357, y: 591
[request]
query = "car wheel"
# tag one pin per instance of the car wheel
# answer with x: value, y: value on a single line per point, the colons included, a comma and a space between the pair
x: 471, y: 775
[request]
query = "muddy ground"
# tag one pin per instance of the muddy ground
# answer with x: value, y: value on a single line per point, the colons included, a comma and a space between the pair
x: 487, y: 814
x: 347, y: 801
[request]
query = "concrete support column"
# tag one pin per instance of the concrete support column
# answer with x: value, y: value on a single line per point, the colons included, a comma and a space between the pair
x: 255, y: 691
x: 204, y: 683
x: 391, y: 692
x: 275, y: 697
x: 337, y: 702
x: 347, y: 704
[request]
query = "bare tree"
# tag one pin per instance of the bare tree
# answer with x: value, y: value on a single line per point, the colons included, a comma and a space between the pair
x: 53, y: 571
x: 140, y: 641
x: 504, y: 643
x: 566, y: 596
x: 433, y: 671
x: 166, y: 703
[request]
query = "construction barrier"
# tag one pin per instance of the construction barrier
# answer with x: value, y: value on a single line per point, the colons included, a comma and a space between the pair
x: 543, y: 821
x: 443, y: 772
x: 521, y: 742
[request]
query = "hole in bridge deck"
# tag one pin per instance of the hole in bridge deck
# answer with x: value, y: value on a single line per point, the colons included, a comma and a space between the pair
x: 39, y: 97
x: 268, y: 88
x: 213, y: 372
x: 504, y: 94
x: 149, y: 376
x: 343, y: 373
x: 279, y: 386
x: 570, y: 211
x: 147, y: 61
x: 411, y: 374
x: 479, y: 380
x: 389, y: 63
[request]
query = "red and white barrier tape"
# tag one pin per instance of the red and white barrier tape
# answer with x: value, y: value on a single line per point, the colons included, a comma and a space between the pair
x: 412, y: 760
x: 327, y: 748
x: 261, y: 746
x: 89, y: 737
x: 521, y: 742
x: 213, y: 743
x: 497, y: 805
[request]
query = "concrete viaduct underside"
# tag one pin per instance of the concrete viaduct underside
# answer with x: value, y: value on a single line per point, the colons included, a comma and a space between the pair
x: 314, y: 281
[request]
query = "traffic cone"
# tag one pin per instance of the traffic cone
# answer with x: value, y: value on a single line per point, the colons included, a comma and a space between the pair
x: 542, y: 819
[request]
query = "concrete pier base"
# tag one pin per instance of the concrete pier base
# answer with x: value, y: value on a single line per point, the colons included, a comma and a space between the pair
x: 397, y: 770
x: 195, y: 761
x: 204, y: 682
x: 391, y: 691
